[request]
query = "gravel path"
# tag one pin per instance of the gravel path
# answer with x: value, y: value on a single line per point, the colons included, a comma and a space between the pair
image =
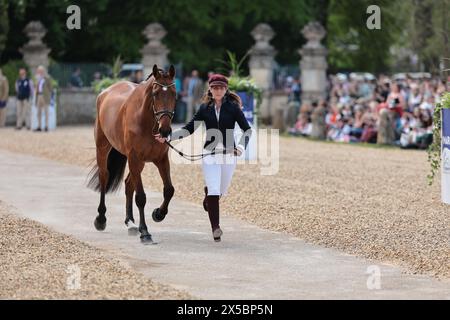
x: 366, y: 201
x: 39, y: 263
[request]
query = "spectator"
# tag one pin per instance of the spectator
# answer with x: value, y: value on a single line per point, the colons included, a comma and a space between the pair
x: 395, y: 100
x: 24, y: 89
x: 415, y: 97
x: 369, y: 133
x: 4, y: 95
x: 43, y: 95
x: 428, y: 104
x: 302, y: 127
x: 295, y: 91
x: 194, y: 93
x: 75, y: 79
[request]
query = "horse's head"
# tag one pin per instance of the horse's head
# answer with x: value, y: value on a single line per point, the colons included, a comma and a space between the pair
x: 163, y: 99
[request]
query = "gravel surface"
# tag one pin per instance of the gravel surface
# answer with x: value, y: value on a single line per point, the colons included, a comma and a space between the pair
x: 39, y: 263
x: 371, y: 202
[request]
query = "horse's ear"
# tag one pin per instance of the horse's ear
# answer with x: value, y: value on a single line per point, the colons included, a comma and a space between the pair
x: 172, y: 71
x: 155, y: 71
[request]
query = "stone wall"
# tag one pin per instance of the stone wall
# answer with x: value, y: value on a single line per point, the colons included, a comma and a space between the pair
x: 75, y: 106
x: 278, y: 109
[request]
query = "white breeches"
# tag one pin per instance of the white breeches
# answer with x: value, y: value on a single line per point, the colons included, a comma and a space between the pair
x: 218, y: 171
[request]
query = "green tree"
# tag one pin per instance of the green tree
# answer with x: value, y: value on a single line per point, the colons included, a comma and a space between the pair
x: 199, y: 32
x: 430, y: 32
x: 4, y: 24
x: 351, y: 44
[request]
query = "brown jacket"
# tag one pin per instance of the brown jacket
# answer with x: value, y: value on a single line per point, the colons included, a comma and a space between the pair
x: 4, y: 88
x: 46, y: 90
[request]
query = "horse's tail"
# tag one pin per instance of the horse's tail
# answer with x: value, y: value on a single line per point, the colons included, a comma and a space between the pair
x: 116, y: 169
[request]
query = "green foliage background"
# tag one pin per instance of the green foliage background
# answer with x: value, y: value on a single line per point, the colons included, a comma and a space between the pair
x: 200, y: 31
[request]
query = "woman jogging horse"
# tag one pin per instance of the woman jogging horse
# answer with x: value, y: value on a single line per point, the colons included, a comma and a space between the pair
x: 220, y: 111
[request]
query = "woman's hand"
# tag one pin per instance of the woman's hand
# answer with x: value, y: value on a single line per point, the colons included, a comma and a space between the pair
x: 237, y: 152
x: 159, y: 138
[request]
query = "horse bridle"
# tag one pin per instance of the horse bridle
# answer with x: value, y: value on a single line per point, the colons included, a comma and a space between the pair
x: 170, y: 114
x: 159, y: 114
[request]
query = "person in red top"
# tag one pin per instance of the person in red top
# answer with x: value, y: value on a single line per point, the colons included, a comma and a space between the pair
x: 395, y: 100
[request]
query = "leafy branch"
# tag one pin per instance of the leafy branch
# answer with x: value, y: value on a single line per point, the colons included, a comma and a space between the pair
x: 233, y: 65
x: 434, y: 150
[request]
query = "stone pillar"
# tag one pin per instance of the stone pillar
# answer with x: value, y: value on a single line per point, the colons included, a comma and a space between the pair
x: 313, y: 64
x: 318, y: 123
x: 261, y: 65
x: 35, y: 52
x: 154, y: 52
x: 386, y: 132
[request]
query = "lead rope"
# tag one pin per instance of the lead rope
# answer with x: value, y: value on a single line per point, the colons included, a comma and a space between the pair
x: 195, y: 157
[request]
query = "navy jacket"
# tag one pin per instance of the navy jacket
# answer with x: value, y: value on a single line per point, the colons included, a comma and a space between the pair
x: 230, y: 113
x: 23, y: 88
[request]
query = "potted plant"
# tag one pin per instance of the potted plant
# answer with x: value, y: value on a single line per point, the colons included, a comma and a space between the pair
x: 104, y: 83
x: 245, y: 87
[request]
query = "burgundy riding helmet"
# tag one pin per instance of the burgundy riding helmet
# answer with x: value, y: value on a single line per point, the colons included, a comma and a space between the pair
x: 218, y: 80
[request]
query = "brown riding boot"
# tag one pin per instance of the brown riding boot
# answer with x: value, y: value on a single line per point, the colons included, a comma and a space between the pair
x: 213, y: 212
x: 205, y: 203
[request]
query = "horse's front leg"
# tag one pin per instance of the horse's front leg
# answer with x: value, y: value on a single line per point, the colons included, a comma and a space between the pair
x: 129, y: 219
x: 164, y: 171
x: 136, y: 166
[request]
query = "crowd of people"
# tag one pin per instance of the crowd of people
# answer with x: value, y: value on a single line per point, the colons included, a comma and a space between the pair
x: 358, y: 108
x: 362, y: 108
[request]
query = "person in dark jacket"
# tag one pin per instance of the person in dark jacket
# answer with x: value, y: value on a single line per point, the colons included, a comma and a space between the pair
x: 24, y: 89
x: 220, y: 111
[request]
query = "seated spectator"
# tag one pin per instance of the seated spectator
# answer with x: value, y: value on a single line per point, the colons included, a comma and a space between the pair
x: 341, y: 131
x: 358, y: 124
x: 369, y: 133
x: 428, y: 104
x: 303, y: 126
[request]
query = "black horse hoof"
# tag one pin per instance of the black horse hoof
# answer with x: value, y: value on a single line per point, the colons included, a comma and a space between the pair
x: 99, y: 225
x: 158, y: 215
x: 146, y: 239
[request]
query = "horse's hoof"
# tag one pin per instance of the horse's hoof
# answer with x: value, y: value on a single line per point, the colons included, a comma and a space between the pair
x: 146, y: 239
x: 157, y: 215
x: 133, y: 230
x: 100, y: 226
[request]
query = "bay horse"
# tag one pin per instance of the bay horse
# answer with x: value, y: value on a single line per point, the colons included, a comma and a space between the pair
x: 127, y: 116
